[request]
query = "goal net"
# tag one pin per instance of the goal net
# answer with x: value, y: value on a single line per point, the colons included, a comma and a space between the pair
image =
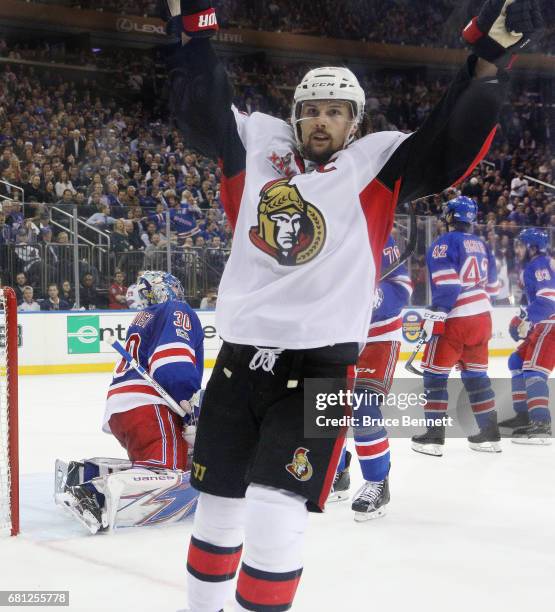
x: 9, y: 473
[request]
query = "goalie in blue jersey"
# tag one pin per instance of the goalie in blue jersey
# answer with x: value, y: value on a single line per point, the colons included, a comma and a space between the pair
x: 166, y: 339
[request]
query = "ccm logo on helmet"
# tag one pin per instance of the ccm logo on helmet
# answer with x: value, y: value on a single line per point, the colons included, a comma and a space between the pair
x: 322, y: 84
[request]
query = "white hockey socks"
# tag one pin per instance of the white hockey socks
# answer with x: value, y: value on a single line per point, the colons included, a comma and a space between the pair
x: 214, y: 552
x: 274, y: 537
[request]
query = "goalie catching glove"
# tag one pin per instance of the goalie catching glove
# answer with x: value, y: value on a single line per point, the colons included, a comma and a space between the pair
x: 194, y: 18
x: 433, y: 324
x: 502, y: 29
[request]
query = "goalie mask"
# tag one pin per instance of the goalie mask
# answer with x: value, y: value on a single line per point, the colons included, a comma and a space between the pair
x: 156, y: 287
x: 329, y: 83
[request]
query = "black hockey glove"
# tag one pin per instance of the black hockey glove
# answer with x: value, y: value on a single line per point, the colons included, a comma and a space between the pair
x: 502, y: 29
x: 195, y: 18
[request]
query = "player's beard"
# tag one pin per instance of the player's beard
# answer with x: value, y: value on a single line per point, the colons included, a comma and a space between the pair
x: 323, y: 155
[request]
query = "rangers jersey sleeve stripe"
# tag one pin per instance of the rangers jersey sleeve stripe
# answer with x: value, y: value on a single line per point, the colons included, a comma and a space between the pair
x: 178, y: 352
x: 383, y: 327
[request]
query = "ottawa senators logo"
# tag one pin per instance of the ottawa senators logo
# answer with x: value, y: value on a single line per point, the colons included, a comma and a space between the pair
x: 300, y: 467
x: 289, y: 229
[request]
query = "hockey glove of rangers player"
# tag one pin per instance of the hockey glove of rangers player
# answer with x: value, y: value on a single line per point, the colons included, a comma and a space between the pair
x: 502, y: 29
x: 195, y: 18
x: 519, y: 326
x: 433, y: 324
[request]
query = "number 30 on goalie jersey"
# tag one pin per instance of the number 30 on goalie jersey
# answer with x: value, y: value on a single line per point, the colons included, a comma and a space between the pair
x: 167, y: 340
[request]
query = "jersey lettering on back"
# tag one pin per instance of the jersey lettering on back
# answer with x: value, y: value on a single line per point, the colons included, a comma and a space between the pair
x: 463, y: 274
x: 539, y: 285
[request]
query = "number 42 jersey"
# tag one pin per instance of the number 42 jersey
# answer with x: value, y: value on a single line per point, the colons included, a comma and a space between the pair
x: 167, y: 340
x: 463, y: 274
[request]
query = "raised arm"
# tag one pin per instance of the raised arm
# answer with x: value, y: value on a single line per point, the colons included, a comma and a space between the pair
x: 460, y: 129
x: 201, y: 97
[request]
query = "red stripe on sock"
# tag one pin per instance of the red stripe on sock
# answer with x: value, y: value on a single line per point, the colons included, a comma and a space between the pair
x: 483, y: 406
x: 213, y: 563
x: 262, y: 592
x: 372, y: 449
x: 440, y: 405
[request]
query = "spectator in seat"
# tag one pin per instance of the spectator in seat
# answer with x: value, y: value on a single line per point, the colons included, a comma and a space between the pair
x: 28, y: 303
x: 120, y: 240
x: 133, y: 229
x: 5, y: 231
x: 89, y: 297
x: 27, y: 257
x: 64, y: 184
x: 67, y: 201
x: 44, y: 222
x: 53, y: 301
x: 101, y: 219
x: 21, y: 282
x: 33, y: 189
x: 117, y: 293
x: 67, y: 293
x: 519, y: 186
x: 155, y: 254
x: 50, y: 196
x: 208, y: 302
x: 132, y: 297
x: 75, y: 145
x: 62, y: 237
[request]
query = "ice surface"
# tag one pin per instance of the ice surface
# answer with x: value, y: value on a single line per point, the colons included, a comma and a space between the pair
x: 465, y: 532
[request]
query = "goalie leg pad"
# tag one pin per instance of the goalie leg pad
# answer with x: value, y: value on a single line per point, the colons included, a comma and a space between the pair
x: 140, y: 497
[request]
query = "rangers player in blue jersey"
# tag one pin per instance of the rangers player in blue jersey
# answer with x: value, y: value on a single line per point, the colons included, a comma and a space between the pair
x: 166, y: 338
x: 534, y: 359
x: 374, y: 377
x: 457, y: 327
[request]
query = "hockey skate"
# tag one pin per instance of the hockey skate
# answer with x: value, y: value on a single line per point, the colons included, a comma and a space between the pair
x: 370, y: 500
x: 536, y: 433
x: 521, y: 419
x: 82, y: 504
x: 488, y: 438
x: 431, y: 442
x: 341, y: 483
x: 75, y: 498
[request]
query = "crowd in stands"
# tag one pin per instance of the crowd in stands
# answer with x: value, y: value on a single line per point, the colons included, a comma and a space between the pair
x: 131, y: 176
x: 428, y: 23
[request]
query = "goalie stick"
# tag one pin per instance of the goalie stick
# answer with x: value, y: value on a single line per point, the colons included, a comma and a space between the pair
x: 174, y: 406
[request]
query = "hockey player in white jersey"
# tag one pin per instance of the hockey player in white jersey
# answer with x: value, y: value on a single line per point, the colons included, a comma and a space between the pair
x: 152, y: 486
x: 312, y: 205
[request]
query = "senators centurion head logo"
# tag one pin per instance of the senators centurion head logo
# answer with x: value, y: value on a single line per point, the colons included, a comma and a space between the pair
x: 290, y: 229
x: 300, y: 466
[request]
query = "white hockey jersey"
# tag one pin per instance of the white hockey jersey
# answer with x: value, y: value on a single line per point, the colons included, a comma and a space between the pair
x: 307, y: 246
